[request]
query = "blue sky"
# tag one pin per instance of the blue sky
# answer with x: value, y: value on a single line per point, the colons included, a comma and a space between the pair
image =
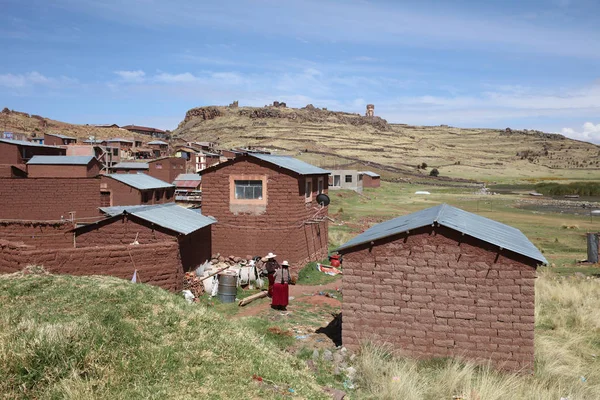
x: 519, y: 64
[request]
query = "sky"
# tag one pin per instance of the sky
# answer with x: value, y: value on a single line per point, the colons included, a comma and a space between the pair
x: 523, y: 64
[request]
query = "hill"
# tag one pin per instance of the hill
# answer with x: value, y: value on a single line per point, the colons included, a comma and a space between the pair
x: 106, y: 338
x: 334, y: 139
x: 36, y: 125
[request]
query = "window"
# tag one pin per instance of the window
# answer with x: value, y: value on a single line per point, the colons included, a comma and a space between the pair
x: 320, y: 186
x: 169, y: 193
x: 336, y: 180
x: 145, y: 197
x: 248, y: 190
x: 105, y: 199
x: 360, y: 177
x: 158, y: 165
x: 348, y: 178
x: 115, y: 152
x: 157, y: 195
x: 308, y: 190
x: 174, y: 166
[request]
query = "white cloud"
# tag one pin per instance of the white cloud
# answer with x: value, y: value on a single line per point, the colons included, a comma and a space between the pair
x: 590, y: 133
x: 185, y: 77
x: 34, y: 78
x: 131, y: 76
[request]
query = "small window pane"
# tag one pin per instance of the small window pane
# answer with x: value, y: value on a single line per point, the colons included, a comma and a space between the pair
x: 348, y: 178
x: 249, y: 190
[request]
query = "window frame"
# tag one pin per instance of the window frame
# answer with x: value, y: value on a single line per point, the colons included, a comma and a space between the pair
x: 346, y: 179
x: 242, y: 177
x: 320, y: 186
x: 308, y: 190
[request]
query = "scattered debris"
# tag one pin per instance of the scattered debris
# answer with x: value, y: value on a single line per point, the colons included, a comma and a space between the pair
x: 328, y: 269
x: 193, y: 284
x: 422, y: 192
x: 335, y: 393
x: 189, y: 297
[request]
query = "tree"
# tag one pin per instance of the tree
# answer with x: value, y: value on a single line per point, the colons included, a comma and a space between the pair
x: 423, y: 165
x: 434, y: 172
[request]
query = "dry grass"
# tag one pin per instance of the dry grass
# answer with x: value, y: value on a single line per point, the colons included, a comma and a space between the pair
x: 567, y: 363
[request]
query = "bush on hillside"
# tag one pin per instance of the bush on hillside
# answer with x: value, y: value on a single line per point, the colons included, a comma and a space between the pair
x: 434, y: 172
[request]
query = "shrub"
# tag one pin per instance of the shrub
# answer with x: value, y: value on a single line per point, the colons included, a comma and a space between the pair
x: 434, y: 172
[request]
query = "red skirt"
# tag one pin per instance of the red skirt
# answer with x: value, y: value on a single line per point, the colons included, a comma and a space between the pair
x: 271, y: 283
x: 281, y: 294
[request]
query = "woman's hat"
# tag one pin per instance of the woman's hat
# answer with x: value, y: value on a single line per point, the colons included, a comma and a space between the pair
x: 270, y: 255
x: 285, y: 264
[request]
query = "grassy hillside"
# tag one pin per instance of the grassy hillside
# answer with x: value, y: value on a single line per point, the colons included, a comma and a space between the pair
x: 99, y: 337
x: 19, y: 122
x: 334, y: 139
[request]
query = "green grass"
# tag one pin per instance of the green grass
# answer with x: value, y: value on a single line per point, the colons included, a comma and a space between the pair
x: 310, y: 276
x: 102, y: 337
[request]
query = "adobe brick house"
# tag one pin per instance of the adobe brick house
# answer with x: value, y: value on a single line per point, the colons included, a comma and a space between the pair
x: 145, y: 130
x: 55, y: 139
x: 166, y: 168
x: 134, y: 189
x: 125, y: 147
x: 126, y: 167
x: 267, y: 203
x: 370, y: 179
x: 18, y: 152
x: 159, y: 148
x: 152, y: 224
x: 443, y: 282
x: 63, y: 167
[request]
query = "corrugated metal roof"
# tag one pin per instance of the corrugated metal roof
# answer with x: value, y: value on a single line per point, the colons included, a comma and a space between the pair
x: 58, y: 135
x: 60, y: 160
x: 119, y: 140
x: 130, y: 165
x: 188, y: 177
x: 291, y: 163
x: 140, y: 181
x: 474, y: 225
x: 371, y: 174
x: 157, y: 142
x: 26, y: 143
x: 169, y: 216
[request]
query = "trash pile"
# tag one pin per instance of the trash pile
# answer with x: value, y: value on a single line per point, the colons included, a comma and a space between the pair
x: 192, y: 283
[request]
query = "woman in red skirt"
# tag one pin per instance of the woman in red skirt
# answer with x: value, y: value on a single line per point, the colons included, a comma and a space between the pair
x: 281, y: 290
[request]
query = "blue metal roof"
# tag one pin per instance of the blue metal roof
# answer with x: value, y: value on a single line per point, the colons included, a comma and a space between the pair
x: 140, y: 181
x: 291, y: 163
x: 371, y: 174
x: 158, y: 142
x: 169, y: 216
x: 474, y: 225
x: 60, y: 160
x: 131, y: 165
x: 26, y: 143
x: 188, y: 177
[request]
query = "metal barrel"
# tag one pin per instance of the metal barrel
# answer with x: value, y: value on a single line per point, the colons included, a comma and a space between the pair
x: 227, y: 287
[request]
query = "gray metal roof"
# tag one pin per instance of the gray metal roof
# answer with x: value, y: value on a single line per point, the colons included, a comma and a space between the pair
x: 291, y: 163
x: 169, y: 216
x: 130, y: 165
x: 474, y: 225
x: 157, y: 142
x: 140, y: 181
x: 58, y: 135
x: 60, y: 160
x: 188, y: 177
x: 371, y: 174
x: 119, y: 140
x: 26, y: 143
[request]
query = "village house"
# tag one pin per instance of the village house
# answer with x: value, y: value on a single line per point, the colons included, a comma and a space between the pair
x: 55, y: 139
x: 166, y: 168
x: 14, y: 154
x: 267, y: 203
x: 233, y: 153
x: 125, y: 147
x: 370, y: 179
x: 152, y: 224
x: 134, y: 189
x: 159, y: 148
x: 197, y: 159
x: 346, y: 179
x: 443, y: 282
x: 188, y: 188
x: 129, y: 167
x: 63, y: 167
x: 145, y: 130
x: 107, y: 156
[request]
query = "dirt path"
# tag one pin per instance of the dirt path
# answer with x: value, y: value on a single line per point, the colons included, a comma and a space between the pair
x: 300, y: 293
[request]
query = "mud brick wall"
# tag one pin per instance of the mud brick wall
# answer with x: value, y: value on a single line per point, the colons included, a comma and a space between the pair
x: 63, y: 171
x: 170, y: 168
x: 10, y: 256
x: 370, y: 182
x: 44, y: 235
x: 279, y: 227
x: 125, y: 195
x: 13, y: 171
x: 38, y: 199
x: 157, y: 264
x: 435, y: 293
x: 195, y: 248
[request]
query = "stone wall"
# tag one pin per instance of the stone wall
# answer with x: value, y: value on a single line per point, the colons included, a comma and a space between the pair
x: 435, y: 293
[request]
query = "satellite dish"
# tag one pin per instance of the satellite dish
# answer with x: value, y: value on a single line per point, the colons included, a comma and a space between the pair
x: 323, y: 199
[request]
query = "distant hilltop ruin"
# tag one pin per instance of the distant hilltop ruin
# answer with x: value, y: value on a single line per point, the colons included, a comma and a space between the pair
x: 279, y: 109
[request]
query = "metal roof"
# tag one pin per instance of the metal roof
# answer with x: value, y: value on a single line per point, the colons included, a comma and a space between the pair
x: 371, y: 174
x: 474, y: 225
x: 26, y: 143
x: 130, y: 165
x: 188, y: 177
x: 119, y: 140
x: 169, y: 216
x: 60, y: 160
x: 58, y: 135
x: 140, y: 181
x: 291, y: 163
x: 158, y: 142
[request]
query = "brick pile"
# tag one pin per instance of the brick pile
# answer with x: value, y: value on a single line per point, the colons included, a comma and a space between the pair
x: 435, y: 293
